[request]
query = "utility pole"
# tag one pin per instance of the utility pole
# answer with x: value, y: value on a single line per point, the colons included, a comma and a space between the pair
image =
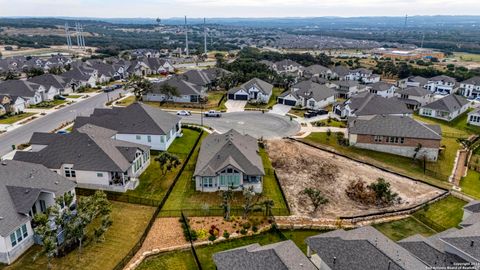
x: 204, y: 37
x: 186, y: 37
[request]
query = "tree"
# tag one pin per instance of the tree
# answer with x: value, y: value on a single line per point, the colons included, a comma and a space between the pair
x: 383, y: 192
x: 169, y: 91
x: 315, y: 197
x: 139, y: 86
x: 268, y: 204
x: 11, y: 75
x: 227, y: 196
x: 32, y: 72
x: 55, y: 70
x: 167, y: 162
x: 251, y: 202
x: 47, y: 233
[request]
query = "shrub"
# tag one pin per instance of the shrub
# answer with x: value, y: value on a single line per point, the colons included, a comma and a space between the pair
x: 243, y: 231
x: 246, y: 225
x: 254, y: 229
x: 214, y: 231
x: 378, y: 193
x: 212, y: 238
x: 202, y: 234
x: 226, y: 234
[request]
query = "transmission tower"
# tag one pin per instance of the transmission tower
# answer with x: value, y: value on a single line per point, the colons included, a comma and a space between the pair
x: 186, y: 37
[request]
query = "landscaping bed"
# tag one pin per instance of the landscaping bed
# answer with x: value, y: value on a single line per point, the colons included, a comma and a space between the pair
x: 300, y: 166
x: 48, y: 104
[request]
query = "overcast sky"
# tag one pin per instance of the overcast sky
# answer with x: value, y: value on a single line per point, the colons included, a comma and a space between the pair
x: 236, y: 8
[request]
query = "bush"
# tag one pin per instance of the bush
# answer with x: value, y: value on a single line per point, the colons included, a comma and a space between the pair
x: 243, y: 231
x: 226, y: 234
x: 254, y: 229
x: 214, y: 231
x: 202, y: 234
x: 246, y: 225
x: 378, y: 193
x: 212, y: 238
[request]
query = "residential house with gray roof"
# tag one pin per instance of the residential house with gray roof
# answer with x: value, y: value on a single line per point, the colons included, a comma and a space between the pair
x: 288, y: 67
x: 446, y: 108
x: 413, y: 81
x: 80, y: 77
x: 414, y: 96
x: 382, y: 89
x: 346, y: 89
x: 318, y: 71
x: 186, y: 92
x: 33, y: 93
x: 308, y: 94
x: 255, y: 90
x: 365, y: 103
x: 471, y: 214
x: 283, y: 255
x: 229, y: 160
x: 55, y: 84
x: 90, y: 156
x: 25, y: 190
x: 13, y: 104
x: 198, y: 77
x: 398, y: 135
x: 474, y: 117
x: 470, y: 87
x: 442, y: 84
x: 361, y: 248
x: 138, y: 123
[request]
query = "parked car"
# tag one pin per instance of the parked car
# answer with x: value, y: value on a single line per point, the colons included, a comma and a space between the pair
x: 60, y: 97
x: 212, y: 113
x: 117, y: 86
x: 313, y: 113
x: 108, y: 89
x: 184, y: 113
x: 62, y: 132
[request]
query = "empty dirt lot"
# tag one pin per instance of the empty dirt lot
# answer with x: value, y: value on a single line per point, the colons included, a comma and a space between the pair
x: 299, y: 166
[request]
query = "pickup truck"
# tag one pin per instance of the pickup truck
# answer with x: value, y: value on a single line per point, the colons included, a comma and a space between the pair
x: 212, y: 113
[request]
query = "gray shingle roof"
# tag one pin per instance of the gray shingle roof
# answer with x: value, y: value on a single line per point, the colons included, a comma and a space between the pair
x: 362, y: 248
x: 137, y: 118
x: 470, y: 220
x: 381, y: 86
x: 231, y: 148
x: 341, y: 70
x: 414, y: 91
x: 467, y: 240
x: 19, y: 88
x: 419, y: 79
x: 277, y: 256
x: 19, y: 183
x: 261, y: 85
x: 443, y: 78
x: 450, y: 103
x: 309, y: 89
x: 86, y: 149
x: 76, y: 74
x: 183, y: 87
x: 473, y: 206
x: 371, y: 104
x: 389, y: 125
x: 49, y: 80
x: 198, y: 77
x: 317, y: 69
x: 474, y: 80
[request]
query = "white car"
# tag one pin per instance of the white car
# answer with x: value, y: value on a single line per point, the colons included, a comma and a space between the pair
x: 184, y: 113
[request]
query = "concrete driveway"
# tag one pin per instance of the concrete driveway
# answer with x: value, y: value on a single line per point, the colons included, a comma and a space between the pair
x: 235, y: 105
x: 256, y: 124
x: 280, y: 109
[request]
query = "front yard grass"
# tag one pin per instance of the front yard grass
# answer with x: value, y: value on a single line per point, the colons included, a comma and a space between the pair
x: 48, y: 104
x: 437, y: 217
x: 403, y: 165
x: 8, y: 120
x: 184, y: 195
x: 129, y: 223
x: 471, y: 184
x: 297, y: 112
x: 154, y: 185
x: 178, y: 260
x: 126, y: 101
x: 331, y: 123
x: 74, y: 96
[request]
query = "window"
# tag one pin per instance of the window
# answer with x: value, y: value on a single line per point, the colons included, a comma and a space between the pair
x: 69, y: 172
x: 99, y: 174
x: 162, y: 139
x: 138, y: 137
x: 427, y: 112
x: 207, y: 182
x: 378, y: 138
x: 18, y: 235
x: 43, y: 206
x: 149, y: 138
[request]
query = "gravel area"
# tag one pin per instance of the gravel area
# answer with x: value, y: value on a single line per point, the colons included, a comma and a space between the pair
x: 299, y: 166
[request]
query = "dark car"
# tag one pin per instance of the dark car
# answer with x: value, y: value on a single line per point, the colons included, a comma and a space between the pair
x: 313, y: 113
x: 108, y: 89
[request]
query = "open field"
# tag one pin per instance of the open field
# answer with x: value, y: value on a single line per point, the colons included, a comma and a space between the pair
x: 8, y: 120
x: 331, y: 174
x: 129, y: 223
x: 438, y: 171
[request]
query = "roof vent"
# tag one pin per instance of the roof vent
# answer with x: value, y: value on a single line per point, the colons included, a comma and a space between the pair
x: 472, y: 243
x: 334, y: 260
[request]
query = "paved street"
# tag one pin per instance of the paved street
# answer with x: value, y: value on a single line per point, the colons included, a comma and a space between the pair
x: 257, y: 124
x: 51, y: 121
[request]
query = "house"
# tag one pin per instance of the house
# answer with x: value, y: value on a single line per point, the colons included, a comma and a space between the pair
x: 414, y: 96
x: 441, y: 84
x: 12, y: 104
x: 308, y: 94
x: 25, y: 190
x: 137, y: 123
x: 33, y: 93
x: 470, y: 87
x: 288, y: 67
x: 254, y: 90
x: 318, y: 71
x: 157, y: 65
x: 345, y: 89
x: 139, y: 68
x: 446, y: 108
x: 361, y: 248
x: 187, y: 92
x: 229, y: 160
x: 413, y: 81
x: 198, y: 77
x: 80, y: 78
x: 105, y: 72
x: 370, y: 104
x: 340, y: 72
x: 281, y: 255
x: 383, y: 89
x: 471, y: 214
x: 3, y: 110
x: 398, y: 135
x: 91, y: 156
x: 361, y: 74
x: 55, y: 84
x: 474, y: 117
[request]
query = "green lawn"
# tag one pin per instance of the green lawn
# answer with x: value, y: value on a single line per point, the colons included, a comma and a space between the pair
x: 467, y: 57
x: 299, y: 236
x: 331, y: 123
x: 154, y: 185
x: 8, y: 120
x: 178, y: 260
x: 126, y: 101
x: 214, y: 98
x: 297, y: 112
x: 430, y: 220
x: 184, y: 195
x: 471, y: 184
x: 272, y: 101
x: 205, y: 253
x: 458, y: 126
x: 129, y: 222
x: 48, y: 104
x: 400, y: 164
x: 74, y: 96
x: 400, y: 229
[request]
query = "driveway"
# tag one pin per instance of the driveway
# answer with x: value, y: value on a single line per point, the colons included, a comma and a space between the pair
x: 280, y: 109
x: 235, y: 105
x: 256, y: 124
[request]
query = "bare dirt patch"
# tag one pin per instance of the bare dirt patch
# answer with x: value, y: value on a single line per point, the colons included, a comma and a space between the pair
x: 300, y: 166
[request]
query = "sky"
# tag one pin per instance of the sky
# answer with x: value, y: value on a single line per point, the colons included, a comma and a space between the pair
x: 235, y: 8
